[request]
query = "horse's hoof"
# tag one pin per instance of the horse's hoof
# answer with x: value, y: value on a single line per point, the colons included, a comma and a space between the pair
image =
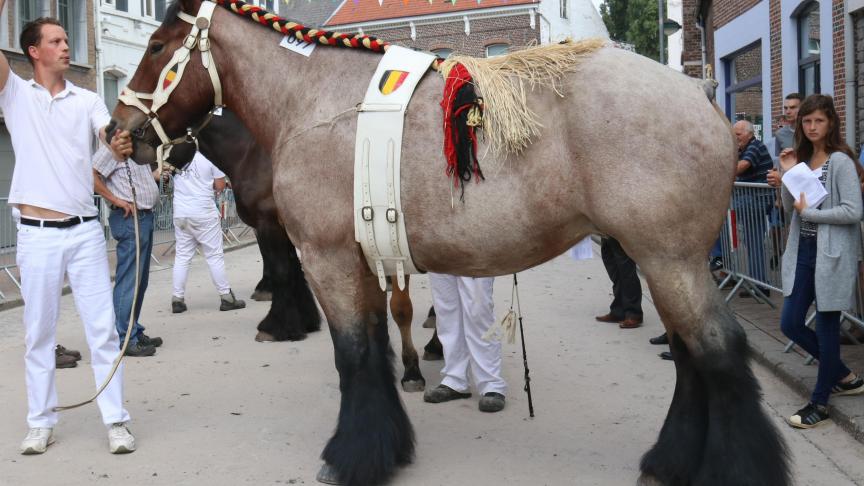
x: 262, y: 296
x: 427, y: 356
x: 648, y: 480
x: 264, y: 337
x: 412, y: 386
x: 429, y: 323
x: 328, y: 475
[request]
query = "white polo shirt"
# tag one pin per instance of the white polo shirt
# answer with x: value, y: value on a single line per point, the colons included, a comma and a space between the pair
x: 53, y: 140
x: 194, y: 195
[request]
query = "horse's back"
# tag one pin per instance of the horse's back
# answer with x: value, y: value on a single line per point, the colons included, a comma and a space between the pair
x: 657, y: 144
x: 627, y: 151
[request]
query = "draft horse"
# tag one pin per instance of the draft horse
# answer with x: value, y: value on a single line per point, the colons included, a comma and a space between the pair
x: 227, y: 142
x: 623, y: 142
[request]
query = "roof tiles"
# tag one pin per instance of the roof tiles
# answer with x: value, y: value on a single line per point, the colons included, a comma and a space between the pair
x: 356, y: 11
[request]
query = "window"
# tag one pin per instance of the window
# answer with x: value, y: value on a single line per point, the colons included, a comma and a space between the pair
x: 443, y: 52
x: 563, y: 8
x: 4, y: 29
x: 70, y: 13
x: 744, y: 86
x: 160, y: 10
x: 494, y: 50
x: 28, y: 10
x: 146, y: 8
x: 122, y: 5
x: 808, y: 50
x: 111, y: 90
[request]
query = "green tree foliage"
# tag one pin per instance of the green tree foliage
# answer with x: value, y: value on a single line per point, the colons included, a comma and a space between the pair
x: 633, y: 22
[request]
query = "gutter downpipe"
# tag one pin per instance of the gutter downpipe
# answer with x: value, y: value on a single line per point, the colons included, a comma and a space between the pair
x: 851, y: 82
x: 703, y: 41
x: 97, y: 40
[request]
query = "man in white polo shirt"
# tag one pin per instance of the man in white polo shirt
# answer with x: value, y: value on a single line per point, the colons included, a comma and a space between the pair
x: 54, y: 126
x: 196, y: 221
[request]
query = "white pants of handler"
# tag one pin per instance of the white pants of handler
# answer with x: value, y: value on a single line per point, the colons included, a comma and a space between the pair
x: 45, y: 256
x: 188, y: 234
x: 464, y: 312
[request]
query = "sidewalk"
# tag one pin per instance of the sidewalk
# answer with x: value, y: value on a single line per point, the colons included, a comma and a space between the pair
x: 767, y: 342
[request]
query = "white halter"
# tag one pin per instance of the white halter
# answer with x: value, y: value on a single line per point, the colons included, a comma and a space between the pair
x: 170, y: 79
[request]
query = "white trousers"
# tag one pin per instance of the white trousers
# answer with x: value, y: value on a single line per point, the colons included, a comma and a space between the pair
x: 188, y: 234
x: 44, y: 257
x: 464, y: 312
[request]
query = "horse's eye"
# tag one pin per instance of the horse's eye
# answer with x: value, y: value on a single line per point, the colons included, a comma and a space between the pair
x: 156, y: 48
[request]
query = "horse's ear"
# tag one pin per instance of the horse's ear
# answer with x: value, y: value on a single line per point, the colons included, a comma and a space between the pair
x: 190, y: 6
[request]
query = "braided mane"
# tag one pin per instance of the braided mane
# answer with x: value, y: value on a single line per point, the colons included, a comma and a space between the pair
x: 294, y: 29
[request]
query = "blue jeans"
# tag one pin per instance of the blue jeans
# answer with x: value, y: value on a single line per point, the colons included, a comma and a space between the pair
x: 717, y: 249
x: 824, y: 343
x: 123, y: 230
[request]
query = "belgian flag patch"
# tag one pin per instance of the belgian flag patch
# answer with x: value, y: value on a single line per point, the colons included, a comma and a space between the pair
x: 169, y: 76
x: 391, y: 81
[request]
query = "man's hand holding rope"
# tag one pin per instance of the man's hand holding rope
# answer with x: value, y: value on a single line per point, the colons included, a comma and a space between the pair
x: 121, y: 144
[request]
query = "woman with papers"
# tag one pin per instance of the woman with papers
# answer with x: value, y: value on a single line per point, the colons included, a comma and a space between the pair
x: 822, y: 200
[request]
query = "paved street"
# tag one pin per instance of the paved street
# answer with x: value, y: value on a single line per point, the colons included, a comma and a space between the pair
x: 214, y: 407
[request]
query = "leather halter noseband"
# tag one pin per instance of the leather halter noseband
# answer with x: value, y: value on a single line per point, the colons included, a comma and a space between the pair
x: 169, y: 79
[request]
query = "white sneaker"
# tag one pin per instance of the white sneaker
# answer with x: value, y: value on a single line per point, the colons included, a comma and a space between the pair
x: 120, y: 440
x: 37, y: 441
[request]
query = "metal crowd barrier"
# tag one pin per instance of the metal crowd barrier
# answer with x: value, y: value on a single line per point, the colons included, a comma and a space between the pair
x: 234, y: 230
x: 752, y: 243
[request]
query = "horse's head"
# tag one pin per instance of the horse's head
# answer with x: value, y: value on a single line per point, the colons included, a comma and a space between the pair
x: 175, y: 86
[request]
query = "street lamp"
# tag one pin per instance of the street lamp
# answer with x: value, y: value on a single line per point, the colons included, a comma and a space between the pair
x: 664, y: 27
x: 670, y: 27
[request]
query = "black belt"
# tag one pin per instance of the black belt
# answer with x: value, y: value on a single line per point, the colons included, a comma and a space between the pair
x: 63, y: 223
x: 115, y: 208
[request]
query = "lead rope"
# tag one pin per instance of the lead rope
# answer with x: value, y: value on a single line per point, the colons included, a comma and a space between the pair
x: 119, y: 357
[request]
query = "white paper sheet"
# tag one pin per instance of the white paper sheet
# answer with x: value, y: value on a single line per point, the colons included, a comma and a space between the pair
x: 582, y: 251
x: 801, y: 179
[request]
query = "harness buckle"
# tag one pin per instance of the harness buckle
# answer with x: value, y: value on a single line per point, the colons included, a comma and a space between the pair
x: 204, y: 44
x: 367, y: 213
x: 392, y: 215
x: 190, y: 41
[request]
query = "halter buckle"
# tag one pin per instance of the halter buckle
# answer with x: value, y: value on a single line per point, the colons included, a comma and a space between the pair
x: 190, y: 41
x: 204, y: 44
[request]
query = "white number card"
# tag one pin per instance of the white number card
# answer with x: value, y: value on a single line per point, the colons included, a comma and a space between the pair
x: 292, y: 44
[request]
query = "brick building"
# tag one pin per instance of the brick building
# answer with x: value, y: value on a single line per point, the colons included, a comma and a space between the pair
x: 490, y: 28
x: 762, y: 50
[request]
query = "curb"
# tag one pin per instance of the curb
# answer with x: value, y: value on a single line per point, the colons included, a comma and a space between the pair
x: 765, y: 350
x: 18, y: 301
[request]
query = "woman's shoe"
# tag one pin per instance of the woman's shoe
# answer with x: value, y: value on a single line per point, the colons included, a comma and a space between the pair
x: 853, y: 387
x: 809, y: 416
